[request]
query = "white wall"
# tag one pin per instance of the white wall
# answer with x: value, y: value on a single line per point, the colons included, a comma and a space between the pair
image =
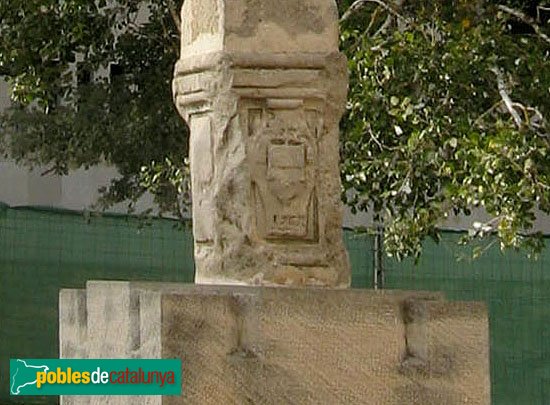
x: 454, y: 222
x: 21, y: 186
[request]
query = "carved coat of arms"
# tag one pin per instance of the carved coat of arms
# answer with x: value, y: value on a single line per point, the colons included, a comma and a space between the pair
x: 283, y: 151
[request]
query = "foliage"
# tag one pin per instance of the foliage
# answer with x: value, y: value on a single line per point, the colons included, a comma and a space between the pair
x: 447, y: 112
x: 92, y: 85
x: 447, y: 109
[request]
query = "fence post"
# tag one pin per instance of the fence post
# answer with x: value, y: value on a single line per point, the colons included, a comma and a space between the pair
x: 378, y: 257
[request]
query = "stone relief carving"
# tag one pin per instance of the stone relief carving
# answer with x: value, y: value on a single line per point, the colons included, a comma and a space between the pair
x: 262, y: 92
x: 284, y: 161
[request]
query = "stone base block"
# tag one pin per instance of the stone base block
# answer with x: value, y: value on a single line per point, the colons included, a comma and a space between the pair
x: 259, y: 345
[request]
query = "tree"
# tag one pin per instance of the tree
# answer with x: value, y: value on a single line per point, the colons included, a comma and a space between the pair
x: 91, y: 83
x: 448, y: 111
x: 447, y: 107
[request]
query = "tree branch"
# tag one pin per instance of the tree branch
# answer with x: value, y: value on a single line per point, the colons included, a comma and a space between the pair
x: 4, y: 71
x: 539, y: 9
x: 175, y: 15
x: 372, y: 19
x: 526, y: 19
x: 359, y: 4
x: 384, y: 26
x: 505, y: 97
x: 479, y: 119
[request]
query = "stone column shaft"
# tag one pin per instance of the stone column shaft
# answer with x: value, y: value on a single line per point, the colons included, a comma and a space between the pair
x: 262, y: 87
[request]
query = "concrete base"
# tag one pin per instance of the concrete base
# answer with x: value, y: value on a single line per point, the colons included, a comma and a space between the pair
x: 281, y: 346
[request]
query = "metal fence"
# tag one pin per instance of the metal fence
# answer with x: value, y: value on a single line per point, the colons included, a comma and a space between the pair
x: 42, y: 251
x: 515, y: 288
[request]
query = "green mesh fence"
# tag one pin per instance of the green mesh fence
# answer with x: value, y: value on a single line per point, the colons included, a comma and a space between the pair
x: 42, y: 251
x: 517, y: 292
x: 361, y: 257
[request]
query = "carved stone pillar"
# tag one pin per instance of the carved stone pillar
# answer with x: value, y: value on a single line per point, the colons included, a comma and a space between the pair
x: 262, y: 87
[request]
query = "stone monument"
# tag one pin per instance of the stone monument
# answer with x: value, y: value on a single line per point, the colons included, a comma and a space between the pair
x: 262, y: 87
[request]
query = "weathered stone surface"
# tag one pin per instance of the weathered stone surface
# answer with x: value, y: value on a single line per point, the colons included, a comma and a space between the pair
x: 109, y: 320
x: 289, y: 346
x: 262, y: 87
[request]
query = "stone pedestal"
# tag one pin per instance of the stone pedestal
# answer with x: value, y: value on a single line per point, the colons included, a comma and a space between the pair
x: 285, y: 346
x: 262, y: 87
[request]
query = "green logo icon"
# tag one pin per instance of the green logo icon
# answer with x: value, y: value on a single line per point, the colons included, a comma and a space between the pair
x: 31, y: 377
